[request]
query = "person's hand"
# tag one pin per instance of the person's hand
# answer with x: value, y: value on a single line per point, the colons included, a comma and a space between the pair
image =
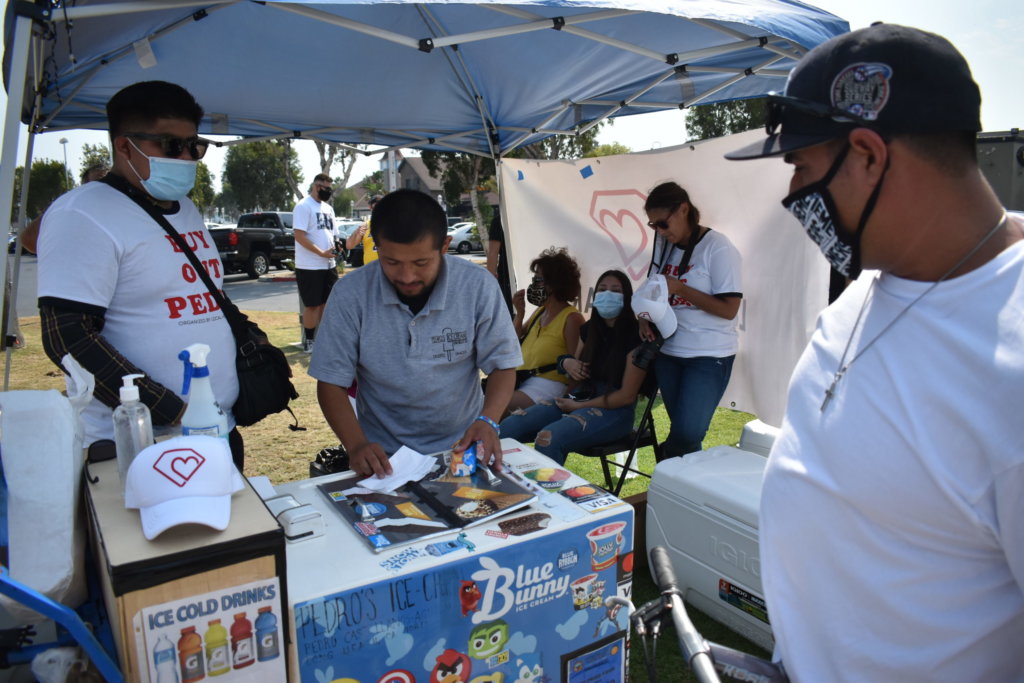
x: 488, y: 444
x: 519, y: 302
x: 567, y: 405
x: 368, y: 459
x: 646, y: 333
x: 576, y: 369
x: 327, y: 253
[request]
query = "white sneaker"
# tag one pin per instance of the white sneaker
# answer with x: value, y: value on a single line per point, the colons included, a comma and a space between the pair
x: 307, y: 345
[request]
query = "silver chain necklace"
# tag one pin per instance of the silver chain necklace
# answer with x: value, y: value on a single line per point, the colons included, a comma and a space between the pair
x: 830, y: 392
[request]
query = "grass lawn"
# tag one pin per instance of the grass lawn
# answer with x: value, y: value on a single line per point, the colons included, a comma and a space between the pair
x: 283, y: 455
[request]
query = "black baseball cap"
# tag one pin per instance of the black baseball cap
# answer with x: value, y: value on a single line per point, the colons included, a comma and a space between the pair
x: 890, y: 78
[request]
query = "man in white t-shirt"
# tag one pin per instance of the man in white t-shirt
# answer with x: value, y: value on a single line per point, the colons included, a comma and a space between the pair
x: 115, y: 291
x: 892, y: 512
x: 315, y: 269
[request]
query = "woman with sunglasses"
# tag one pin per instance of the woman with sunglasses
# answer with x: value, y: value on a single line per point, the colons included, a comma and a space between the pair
x: 702, y: 270
x: 551, y: 331
x: 601, y: 406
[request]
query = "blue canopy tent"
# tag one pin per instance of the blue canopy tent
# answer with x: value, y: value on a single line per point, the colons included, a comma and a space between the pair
x: 482, y: 78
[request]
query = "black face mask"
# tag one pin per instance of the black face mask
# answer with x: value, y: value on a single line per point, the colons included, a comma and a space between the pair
x: 324, y: 193
x: 536, y: 293
x: 814, y: 207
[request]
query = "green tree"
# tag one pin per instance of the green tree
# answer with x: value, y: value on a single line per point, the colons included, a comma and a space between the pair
x: 342, y: 199
x: 461, y: 173
x: 92, y: 155
x: 608, y: 150
x: 47, y: 181
x: 202, y: 193
x: 561, y: 146
x: 225, y: 202
x: 374, y: 183
x: 724, y: 118
x: 256, y: 174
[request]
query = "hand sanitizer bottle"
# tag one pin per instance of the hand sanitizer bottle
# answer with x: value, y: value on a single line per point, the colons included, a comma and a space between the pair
x: 133, y: 426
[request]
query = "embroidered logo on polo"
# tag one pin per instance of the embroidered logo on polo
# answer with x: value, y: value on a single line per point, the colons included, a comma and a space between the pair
x: 862, y: 89
x: 448, y: 339
x: 179, y: 465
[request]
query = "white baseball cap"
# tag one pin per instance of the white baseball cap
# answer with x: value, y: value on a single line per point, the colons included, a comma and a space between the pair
x: 184, y: 480
x: 650, y: 303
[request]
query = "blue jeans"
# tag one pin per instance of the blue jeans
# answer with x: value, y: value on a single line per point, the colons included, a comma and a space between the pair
x: 691, y: 389
x: 556, y: 434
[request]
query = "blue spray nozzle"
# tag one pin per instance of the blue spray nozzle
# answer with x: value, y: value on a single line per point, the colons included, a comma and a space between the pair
x: 194, y: 358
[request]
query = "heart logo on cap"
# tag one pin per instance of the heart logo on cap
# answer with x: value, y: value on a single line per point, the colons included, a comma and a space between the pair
x: 179, y: 465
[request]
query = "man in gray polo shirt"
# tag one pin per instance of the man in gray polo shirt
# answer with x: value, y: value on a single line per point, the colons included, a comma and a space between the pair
x: 415, y: 328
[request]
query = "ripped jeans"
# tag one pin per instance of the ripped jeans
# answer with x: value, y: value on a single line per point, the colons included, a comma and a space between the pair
x: 556, y: 434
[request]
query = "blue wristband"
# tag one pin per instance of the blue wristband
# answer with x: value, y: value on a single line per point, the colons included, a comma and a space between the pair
x: 491, y: 422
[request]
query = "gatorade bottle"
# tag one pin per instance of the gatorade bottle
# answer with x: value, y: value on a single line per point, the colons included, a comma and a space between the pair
x: 266, y: 635
x: 203, y: 415
x: 218, y: 658
x: 241, y: 642
x: 163, y: 658
x: 190, y: 656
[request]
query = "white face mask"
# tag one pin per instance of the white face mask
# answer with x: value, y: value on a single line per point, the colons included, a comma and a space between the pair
x: 169, y: 179
x: 608, y: 304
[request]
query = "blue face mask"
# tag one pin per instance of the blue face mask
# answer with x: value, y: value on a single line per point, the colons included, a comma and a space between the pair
x: 169, y: 179
x: 608, y: 304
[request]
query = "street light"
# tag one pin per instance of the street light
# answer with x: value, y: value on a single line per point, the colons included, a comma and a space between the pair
x: 67, y: 173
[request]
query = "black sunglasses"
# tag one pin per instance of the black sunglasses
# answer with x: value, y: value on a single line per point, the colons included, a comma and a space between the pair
x: 778, y: 104
x: 172, y: 146
x: 663, y: 223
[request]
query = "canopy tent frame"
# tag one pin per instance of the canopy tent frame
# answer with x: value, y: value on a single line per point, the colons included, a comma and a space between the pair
x: 50, y: 90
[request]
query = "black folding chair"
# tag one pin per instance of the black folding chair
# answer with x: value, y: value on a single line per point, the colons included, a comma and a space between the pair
x: 643, y: 435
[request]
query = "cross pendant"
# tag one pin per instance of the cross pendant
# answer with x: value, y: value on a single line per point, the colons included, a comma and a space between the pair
x: 830, y: 392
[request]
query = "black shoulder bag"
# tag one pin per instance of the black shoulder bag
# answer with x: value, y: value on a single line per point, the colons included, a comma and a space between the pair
x: 264, y: 375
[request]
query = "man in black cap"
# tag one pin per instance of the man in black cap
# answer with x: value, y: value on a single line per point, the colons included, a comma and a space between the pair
x: 892, y: 513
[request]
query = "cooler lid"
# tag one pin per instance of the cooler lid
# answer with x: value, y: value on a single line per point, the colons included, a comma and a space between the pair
x: 723, y: 478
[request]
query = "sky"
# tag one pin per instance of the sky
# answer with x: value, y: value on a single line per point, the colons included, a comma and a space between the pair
x: 987, y: 32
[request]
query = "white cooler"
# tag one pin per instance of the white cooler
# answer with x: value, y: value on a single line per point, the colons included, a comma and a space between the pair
x: 703, y: 509
x: 758, y: 437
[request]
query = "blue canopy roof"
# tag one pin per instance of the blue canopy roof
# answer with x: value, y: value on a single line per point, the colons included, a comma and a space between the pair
x: 480, y: 77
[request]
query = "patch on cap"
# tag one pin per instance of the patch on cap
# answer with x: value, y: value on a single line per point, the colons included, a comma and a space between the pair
x: 862, y: 89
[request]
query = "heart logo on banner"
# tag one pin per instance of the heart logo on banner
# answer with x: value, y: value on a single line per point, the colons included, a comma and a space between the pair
x: 179, y: 465
x: 618, y: 214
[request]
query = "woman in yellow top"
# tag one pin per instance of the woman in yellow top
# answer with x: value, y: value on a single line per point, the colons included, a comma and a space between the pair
x: 552, y: 330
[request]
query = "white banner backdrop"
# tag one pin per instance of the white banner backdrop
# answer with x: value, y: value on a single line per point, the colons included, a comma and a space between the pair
x: 595, y: 208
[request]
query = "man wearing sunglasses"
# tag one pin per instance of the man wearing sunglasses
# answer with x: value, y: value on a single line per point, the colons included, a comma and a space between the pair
x: 115, y: 291
x: 892, y: 510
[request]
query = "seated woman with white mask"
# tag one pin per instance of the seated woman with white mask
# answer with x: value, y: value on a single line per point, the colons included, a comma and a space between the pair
x: 604, y: 382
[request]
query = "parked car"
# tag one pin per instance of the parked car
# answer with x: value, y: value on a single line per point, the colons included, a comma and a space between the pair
x: 259, y: 241
x: 464, y: 238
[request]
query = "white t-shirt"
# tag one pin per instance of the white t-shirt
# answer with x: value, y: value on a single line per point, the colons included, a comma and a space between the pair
x: 98, y: 247
x: 715, y: 269
x: 316, y: 219
x: 892, y: 523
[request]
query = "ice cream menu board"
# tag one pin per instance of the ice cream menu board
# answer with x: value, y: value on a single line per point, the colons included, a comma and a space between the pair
x: 436, y: 504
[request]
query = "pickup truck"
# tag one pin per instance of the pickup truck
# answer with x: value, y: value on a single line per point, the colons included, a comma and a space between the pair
x: 257, y: 242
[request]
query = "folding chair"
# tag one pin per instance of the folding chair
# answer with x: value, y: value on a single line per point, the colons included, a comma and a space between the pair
x: 643, y: 434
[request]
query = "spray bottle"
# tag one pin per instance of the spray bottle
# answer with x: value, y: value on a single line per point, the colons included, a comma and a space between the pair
x: 203, y: 416
x: 133, y: 426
